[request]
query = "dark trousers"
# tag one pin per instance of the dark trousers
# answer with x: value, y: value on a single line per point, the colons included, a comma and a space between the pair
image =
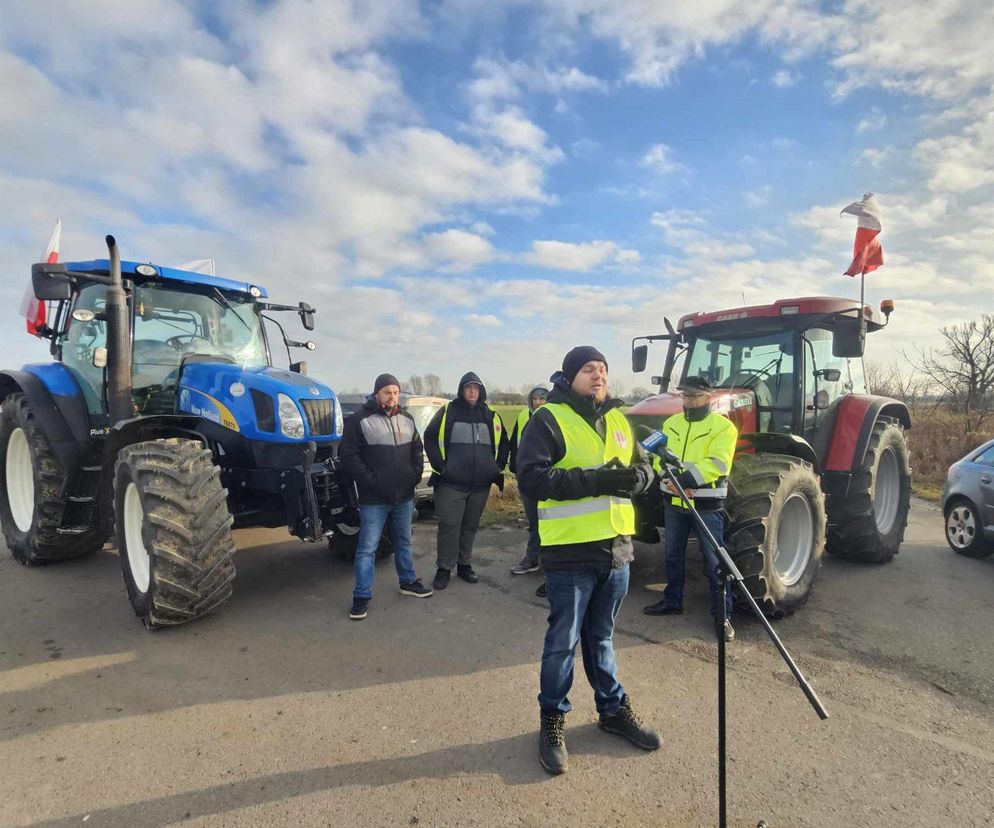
x: 679, y: 524
x: 583, y: 604
x: 458, y: 515
x: 531, y: 515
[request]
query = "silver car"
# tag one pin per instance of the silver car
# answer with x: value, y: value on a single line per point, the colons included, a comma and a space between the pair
x: 968, y: 503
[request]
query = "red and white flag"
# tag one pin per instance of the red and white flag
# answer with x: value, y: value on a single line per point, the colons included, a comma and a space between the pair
x: 867, y: 254
x: 33, y: 311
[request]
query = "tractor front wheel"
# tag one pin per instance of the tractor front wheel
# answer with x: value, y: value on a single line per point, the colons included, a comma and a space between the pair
x: 31, y: 500
x: 868, y: 525
x: 776, y: 528
x: 173, y: 531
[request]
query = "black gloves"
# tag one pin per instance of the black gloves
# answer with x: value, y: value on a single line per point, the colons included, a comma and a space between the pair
x: 617, y: 482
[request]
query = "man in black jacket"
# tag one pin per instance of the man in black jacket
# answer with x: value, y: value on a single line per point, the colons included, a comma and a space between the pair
x: 579, y: 460
x: 467, y: 447
x: 381, y: 452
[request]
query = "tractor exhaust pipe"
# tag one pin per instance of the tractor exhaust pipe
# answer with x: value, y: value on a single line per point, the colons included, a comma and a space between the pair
x: 119, y: 402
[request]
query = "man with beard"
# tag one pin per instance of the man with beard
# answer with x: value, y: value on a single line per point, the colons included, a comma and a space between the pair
x: 575, y: 459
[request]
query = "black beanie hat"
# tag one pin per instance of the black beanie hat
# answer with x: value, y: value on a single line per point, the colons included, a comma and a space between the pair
x: 383, y: 380
x: 577, y: 358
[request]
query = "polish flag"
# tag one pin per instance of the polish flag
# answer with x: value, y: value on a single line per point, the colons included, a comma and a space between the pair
x: 33, y: 311
x: 867, y: 254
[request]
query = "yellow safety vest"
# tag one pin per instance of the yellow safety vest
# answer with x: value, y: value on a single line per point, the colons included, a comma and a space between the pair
x: 523, y: 417
x: 589, y: 518
x: 498, y: 428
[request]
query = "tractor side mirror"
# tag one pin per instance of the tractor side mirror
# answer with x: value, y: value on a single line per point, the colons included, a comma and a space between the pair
x: 306, y: 316
x: 849, y: 338
x: 821, y: 400
x: 50, y: 282
x: 640, y: 356
x: 299, y: 367
x: 830, y: 374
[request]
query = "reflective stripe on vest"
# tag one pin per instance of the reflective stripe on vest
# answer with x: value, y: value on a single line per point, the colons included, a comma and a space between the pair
x: 589, y: 518
x: 498, y: 428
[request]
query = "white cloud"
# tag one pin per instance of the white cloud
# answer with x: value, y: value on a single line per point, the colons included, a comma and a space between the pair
x: 873, y: 121
x: 784, y: 78
x: 459, y: 249
x: 568, y: 256
x: 659, y: 158
x: 758, y: 197
x: 486, y: 320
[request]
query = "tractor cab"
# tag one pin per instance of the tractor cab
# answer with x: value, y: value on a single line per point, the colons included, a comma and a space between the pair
x: 777, y: 368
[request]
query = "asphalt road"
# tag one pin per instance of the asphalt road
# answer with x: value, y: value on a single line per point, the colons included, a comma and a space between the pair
x: 278, y: 710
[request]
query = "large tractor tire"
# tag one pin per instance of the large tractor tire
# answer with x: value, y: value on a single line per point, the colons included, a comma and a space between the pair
x: 868, y: 525
x: 173, y: 531
x: 31, y: 503
x: 776, y: 528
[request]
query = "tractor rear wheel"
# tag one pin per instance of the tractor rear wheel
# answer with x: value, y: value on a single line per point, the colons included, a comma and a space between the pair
x: 173, y: 531
x: 868, y: 525
x: 776, y: 528
x: 31, y: 501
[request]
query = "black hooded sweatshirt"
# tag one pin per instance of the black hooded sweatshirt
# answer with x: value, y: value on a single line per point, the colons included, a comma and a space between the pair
x: 469, y: 463
x: 381, y: 452
x: 515, y: 436
x: 542, y: 445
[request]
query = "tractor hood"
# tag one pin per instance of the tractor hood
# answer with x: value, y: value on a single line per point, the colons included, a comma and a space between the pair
x: 738, y: 404
x: 247, y: 400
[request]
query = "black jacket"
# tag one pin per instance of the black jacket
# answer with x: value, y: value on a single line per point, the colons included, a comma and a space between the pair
x: 515, y: 436
x: 469, y: 463
x: 382, y: 453
x: 542, y: 445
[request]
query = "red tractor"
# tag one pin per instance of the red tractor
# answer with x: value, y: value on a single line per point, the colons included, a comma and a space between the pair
x: 820, y: 462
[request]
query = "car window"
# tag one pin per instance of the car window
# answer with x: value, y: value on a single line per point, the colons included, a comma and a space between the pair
x: 985, y: 459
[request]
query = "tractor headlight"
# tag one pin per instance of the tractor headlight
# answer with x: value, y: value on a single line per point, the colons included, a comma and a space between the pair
x: 291, y: 423
x: 339, y: 419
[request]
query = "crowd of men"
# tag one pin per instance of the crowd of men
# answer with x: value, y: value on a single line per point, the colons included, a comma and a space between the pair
x: 578, y: 467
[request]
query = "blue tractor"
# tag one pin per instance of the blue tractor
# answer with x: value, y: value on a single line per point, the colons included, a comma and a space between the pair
x: 163, y: 417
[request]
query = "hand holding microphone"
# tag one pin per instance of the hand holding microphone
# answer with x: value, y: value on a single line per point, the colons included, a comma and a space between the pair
x: 654, y: 442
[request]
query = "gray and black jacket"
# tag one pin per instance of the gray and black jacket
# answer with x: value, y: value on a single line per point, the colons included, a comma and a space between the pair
x: 471, y: 462
x: 382, y: 453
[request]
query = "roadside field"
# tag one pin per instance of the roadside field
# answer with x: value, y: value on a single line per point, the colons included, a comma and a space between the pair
x: 509, y: 414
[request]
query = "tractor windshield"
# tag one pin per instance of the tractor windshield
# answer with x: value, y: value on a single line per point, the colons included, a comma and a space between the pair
x: 172, y: 324
x: 761, y: 362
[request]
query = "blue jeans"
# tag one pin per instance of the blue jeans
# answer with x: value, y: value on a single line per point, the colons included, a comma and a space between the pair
x: 583, y: 604
x: 531, y: 515
x: 679, y: 524
x: 373, y: 518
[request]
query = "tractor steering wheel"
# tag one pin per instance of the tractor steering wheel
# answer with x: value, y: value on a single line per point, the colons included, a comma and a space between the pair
x: 178, y: 340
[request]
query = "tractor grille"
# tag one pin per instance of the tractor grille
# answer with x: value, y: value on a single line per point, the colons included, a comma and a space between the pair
x: 320, y: 416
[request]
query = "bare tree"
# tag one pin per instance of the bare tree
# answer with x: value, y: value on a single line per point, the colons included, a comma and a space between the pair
x: 962, y: 368
x: 416, y: 384
x: 432, y: 385
x: 638, y: 393
x: 617, y: 388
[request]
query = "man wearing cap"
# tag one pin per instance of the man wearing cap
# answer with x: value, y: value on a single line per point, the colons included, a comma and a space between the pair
x: 467, y: 447
x: 575, y: 459
x: 381, y: 453
x: 537, y: 397
x: 705, y: 443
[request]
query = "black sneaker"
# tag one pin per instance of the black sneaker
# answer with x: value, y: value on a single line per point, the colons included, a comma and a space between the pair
x: 542, y: 591
x: 359, y: 609
x: 524, y: 567
x: 465, y: 571
x: 441, y: 579
x: 626, y: 723
x: 662, y: 608
x: 416, y: 589
x: 552, y: 751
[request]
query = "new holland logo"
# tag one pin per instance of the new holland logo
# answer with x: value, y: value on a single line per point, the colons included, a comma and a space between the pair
x: 314, y: 391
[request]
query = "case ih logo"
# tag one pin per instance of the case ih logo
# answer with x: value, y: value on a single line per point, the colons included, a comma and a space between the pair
x: 724, y: 317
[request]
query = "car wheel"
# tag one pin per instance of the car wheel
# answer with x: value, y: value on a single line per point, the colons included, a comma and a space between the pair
x: 964, y: 530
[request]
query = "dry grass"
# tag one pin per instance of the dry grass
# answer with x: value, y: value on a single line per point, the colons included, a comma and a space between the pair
x: 503, y: 507
x: 937, y: 439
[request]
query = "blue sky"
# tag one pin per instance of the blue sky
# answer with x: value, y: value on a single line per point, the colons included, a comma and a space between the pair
x: 480, y: 186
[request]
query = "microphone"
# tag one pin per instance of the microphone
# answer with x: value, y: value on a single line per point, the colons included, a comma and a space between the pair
x: 654, y: 442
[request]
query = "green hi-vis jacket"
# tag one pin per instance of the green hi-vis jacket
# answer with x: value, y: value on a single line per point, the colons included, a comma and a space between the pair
x: 589, y: 518
x: 705, y: 449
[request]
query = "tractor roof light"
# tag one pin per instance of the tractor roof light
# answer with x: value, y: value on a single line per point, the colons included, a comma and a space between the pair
x: 255, y: 291
x: 790, y: 310
x: 146, y: 270
x: 887, y: 307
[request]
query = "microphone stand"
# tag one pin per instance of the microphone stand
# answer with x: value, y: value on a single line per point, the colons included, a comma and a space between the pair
x: 730, y: 576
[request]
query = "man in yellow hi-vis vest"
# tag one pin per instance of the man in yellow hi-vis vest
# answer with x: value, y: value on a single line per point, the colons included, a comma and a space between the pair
x: 575, y: 458
x: 705, y: 443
